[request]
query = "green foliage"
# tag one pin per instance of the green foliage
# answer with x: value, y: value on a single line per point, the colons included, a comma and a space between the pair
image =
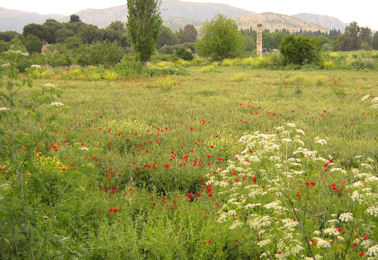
x: 105, y: 53
x: 166, y: 37
x: 33, y: 44
x: 21, y: 211
x: 355, y: 38
x: 300, y: 50
x: 7, y: 36
x: 185, y: 54
x: 188, y: 34
x: 143, y: 23
x: 220, y: 39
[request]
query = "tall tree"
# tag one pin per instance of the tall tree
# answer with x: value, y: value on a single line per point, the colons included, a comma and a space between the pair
x: 375, y: 41
x: 350, y: 40
x: 189, y: 34
x: 74, y: 18
x: 34, y: 29
x: 50, y: 27
x: 220, y: 39
x: 143, y: 23
x: 166, y: 37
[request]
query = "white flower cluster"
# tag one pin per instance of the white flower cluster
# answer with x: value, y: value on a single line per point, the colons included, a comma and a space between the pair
x: 365, y: 97
x: 331, y: 231
x: 320, y: 141
x: 4, y: 109
x: 35, y: 66
x: 321, y: 243
x: 372, y: 211
x: 57, y: 104
x: 346, y: 217
x: 373, y: 251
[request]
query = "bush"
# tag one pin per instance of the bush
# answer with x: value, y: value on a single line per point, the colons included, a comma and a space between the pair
x: 300, y: 50
x: 220, y: 39
x: 184, y: 54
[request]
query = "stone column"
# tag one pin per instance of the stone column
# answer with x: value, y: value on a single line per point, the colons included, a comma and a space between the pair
x: 259, y: 40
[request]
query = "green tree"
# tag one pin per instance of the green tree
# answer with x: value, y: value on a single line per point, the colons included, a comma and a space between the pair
x: 189, y: 34
x: 8, y: 35
x: 116, y: 31
x: 33, y: 44
x: 143, y: 23
x: 50, y: 27
x: 220, y: 39
x: 34, y: 29
x: 300, y: 50
x: 375, y: 41
x: 365, y: 38
x: 4, y: 46
x: 166, y: 37
x: 74, y: 18
x: 117, y: 26
x: 63, y: 34
x: 350, y: 40
x: 72, y: 43
x: 91, y: 33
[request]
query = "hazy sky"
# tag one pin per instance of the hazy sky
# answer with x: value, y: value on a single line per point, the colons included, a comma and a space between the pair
x: 362, y: 11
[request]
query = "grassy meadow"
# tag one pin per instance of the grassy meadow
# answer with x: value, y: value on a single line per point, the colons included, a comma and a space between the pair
x: 219, y: 163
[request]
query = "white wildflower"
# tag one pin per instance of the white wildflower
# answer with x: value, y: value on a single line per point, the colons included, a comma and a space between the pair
x: 299, y: 142
x: 331, y: 231
x: 289, y: 223
x: 373, y: 251
x: 372, y: 211
x: 286, y: 140
x: 4, y: 108
x: 253, y: 205
x: 322, y: 243
x: 273, y: 205
x: 338, y: 170
x: 35, y: 66
x: 265, y: 242
x: 320, y: 141
x: 49, y: 85
x: 317, y: 233
x: 333, y: 221
x: 236, y: 224
x: 346, y: 217
x: 375, y: 100
x: 366, y: 165
x: 57, y: 104
x: 365, y: 97
x: 83, y: 148
x: 291, y: 125
x: 231, y: 212
x: 300, y: 131
x: 5, y: 65
x: 222, y: 218
x: 356, y: 196
x: 367, y: 243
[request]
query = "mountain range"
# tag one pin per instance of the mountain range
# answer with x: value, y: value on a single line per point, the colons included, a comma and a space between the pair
x: 176, y: 14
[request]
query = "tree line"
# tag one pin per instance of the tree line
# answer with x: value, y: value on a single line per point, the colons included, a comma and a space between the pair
x: 84, y: 44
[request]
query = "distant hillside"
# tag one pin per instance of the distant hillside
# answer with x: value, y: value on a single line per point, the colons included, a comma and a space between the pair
x: 327, y: 22
x: 273, y: 21
x: 13, y: 20
x: 175, y: 13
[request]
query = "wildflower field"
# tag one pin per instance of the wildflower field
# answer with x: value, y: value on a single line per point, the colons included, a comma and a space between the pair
x: 217, y: 163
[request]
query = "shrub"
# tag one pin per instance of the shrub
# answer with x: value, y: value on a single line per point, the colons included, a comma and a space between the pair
x: 220, y: 39
x: 300, y: 50
x: 185, y: 54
